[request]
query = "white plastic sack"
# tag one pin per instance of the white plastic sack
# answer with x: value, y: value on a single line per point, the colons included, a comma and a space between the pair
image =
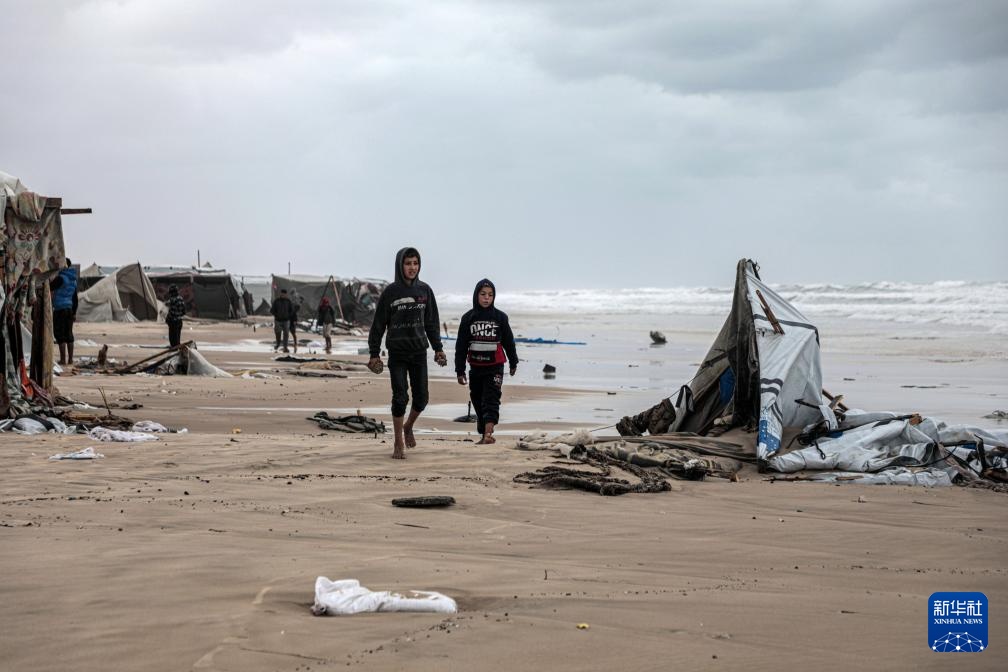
x: 28, y: 426
x: 106, y: 434
x: 345, y: 597
x: 149, y: 426
x: 82, y: 454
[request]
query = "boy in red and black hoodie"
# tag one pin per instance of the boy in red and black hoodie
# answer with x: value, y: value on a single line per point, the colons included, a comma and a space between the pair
x: 486, y: 341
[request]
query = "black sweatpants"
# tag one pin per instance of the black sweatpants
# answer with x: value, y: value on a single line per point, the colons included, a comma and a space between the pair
x: 485, y: 384
x: 414, y: 367
x: 63, y: 320
x: 174, y: 333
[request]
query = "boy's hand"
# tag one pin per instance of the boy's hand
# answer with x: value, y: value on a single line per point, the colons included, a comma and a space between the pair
x: 513, y: 369
x: 462, y: 379
x: 440, y: 359
x: 375, y: 364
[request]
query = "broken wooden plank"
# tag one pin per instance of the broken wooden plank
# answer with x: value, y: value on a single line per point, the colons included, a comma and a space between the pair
x: 778, y: 329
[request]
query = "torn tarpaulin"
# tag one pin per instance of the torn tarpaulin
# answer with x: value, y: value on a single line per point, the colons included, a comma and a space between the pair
x: 348, y: 423
x: 82, y: 454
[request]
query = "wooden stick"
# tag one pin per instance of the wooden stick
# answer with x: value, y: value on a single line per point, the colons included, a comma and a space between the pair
x: 168, y: 351
x: 839, y: 404
x: 778, y: 329
x: 75, y: 211
x: 105, y: 399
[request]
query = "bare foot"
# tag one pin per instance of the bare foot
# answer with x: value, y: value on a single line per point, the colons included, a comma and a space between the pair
x: 408, y: 435
x: 398, y: 453
x: 488, y: 439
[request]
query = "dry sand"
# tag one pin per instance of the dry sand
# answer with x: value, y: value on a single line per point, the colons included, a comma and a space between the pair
x: 200, y: 551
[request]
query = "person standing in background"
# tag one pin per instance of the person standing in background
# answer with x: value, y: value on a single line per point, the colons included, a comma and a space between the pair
x: 176, y: 313
x: 326, y: 318
x: 282, y: 311
x: 64, y: 304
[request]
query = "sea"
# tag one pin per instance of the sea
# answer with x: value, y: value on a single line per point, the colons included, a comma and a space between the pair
x: 939, y: 348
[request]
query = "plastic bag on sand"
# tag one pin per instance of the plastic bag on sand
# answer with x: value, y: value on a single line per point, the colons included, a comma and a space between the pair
x: 342, y: 598
x: 106, y: 434
x: 149, y: 426
x: 82, y: 454
x: 28, y: 426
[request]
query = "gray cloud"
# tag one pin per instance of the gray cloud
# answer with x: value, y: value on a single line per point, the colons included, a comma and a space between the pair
x: 543, y: 144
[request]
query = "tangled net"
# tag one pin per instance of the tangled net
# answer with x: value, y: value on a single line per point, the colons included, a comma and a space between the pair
x: 601, y: 481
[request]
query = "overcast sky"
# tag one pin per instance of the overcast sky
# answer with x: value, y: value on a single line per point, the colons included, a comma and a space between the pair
x: 572, y: 143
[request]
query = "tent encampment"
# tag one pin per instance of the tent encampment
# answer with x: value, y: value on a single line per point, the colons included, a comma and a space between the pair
x: 353, y: 299
x: 213, y: 294
x: 125, y: 295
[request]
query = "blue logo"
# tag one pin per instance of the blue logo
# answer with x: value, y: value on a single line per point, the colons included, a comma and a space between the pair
x: 957, y: 622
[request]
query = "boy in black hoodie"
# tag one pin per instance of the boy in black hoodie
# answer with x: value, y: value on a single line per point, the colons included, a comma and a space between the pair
x: 407, y: 309
x: 484, y: 338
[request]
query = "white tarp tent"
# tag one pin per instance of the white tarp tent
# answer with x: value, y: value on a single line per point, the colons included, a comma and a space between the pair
x: 126, y: 295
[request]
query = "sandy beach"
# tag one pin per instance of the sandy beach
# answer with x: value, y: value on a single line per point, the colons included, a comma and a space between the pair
x: 200, y: 551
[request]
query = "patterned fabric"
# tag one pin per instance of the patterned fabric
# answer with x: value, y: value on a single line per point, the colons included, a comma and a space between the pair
x: 32, y: 246
x: 176, y: 310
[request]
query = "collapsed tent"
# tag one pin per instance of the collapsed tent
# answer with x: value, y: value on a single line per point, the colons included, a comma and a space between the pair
x: 354, y: 300
x: 183, y: 360
x: 125, y: 295
x: 213, y: 294
x: 763, y: 375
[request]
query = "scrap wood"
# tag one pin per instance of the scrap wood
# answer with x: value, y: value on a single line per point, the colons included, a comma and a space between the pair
x: 778, y: 329
x: 316, y: 373
x: 836, y: 402
x: 155, y: 359
x: 423, y: 502
x: 87, y: 419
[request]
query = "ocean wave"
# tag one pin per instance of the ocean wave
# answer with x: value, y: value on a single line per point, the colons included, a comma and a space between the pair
x: 952, y: 302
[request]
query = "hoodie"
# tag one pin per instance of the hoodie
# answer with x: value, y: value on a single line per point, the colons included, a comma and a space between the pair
x: 408, y: 311
x: 65, y: 290
x: 484, y: 335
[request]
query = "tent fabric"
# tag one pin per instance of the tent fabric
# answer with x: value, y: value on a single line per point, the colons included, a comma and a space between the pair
x: 125, y: 295
x: 763, y: 374
x: 355, y: 298
x: 753, y: 375
x: 789, y: 366
x: 899, y: 449
x: 263, y: 308
x: 208, y: 294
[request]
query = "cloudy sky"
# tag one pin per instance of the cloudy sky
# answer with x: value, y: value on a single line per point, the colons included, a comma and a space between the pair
x: 573, y: 143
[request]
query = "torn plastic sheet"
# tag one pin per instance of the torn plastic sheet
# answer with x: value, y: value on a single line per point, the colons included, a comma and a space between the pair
x: 898, y: 449
x: 36, y: 424
x: 347, y: 596
x: 82, y: 454
x: 119, y: 436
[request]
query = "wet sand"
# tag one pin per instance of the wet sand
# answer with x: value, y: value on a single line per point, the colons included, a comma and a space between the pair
x: 200, y: 551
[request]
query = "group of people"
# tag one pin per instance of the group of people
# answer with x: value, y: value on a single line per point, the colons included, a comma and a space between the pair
x: 407, y: 316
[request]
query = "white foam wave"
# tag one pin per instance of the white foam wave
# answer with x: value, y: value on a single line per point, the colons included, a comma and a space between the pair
x: 978, y: 304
